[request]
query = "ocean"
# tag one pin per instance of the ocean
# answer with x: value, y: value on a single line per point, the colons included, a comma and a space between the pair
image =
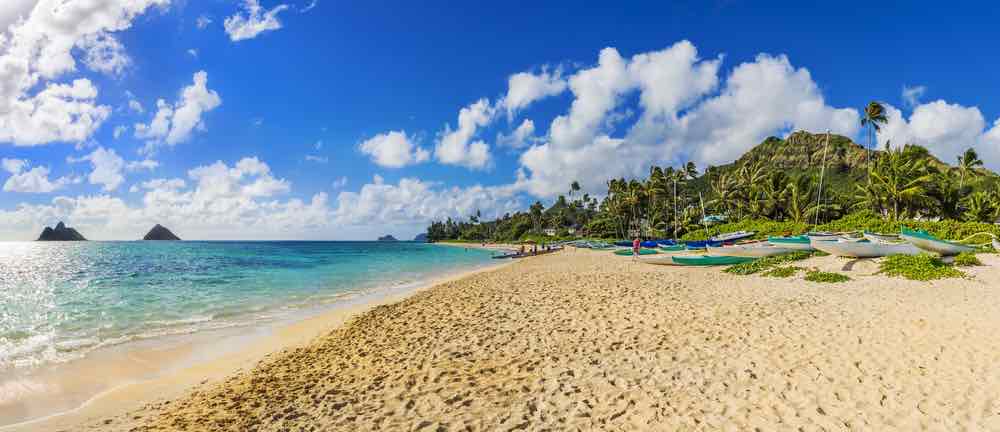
x: 62, y: 300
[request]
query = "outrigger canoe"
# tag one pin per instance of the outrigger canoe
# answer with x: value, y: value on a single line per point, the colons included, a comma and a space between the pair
x: 709, y: 260
x: 864, y: 248
x: 701, y: 244
x: 733, y: 236
x: 927, y: 242
x: 754, y: 250
x: 673, y: 248
x: 800, y: 242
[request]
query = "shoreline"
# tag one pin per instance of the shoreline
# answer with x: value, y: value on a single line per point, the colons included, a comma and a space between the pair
x: 169, y: 366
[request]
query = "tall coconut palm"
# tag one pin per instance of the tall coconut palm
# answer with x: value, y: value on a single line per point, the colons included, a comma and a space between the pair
x: 979, y: 208
x: 724, y: 189
x: 874, y: 118
x: 900, y: 182
x: 798, y: 198
x: 967, y: 164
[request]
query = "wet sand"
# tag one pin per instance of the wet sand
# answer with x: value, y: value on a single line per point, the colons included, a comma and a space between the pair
x: 582, y: 340
x: 83, y: 394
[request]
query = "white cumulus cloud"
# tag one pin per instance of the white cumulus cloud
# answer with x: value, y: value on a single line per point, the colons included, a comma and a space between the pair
x: 34, y: 180
x: 456, y: 147
x: 252, y: 20
x: 393, y: 149
x: 174, y: 123
x: 521, y: 137
x: 524, y: 88
x: 35, y: 107
x: 946, y: 129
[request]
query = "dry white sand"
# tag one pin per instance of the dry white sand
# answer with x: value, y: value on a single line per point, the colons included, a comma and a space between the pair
x: 586, y: 340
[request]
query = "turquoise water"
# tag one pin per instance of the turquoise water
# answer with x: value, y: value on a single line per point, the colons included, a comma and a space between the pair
x: 61, y: 300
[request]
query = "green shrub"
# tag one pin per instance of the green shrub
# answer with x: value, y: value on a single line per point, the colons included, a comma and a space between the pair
x: 921, y: 267
x: 783, y: 272
x: 763, y: 228
x: 870, y: 221
x: 826, y: 277
x: 967, y: 259
x: 760, y: 264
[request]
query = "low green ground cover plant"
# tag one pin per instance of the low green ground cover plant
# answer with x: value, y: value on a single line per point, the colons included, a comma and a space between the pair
x: 967, y: 259
x: 921, y: 267
x: 782, y: 272
x: 826, y: 277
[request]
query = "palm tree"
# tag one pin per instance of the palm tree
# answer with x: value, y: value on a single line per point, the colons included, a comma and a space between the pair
x: 574, y: 188
x: 874, y: 118
x: 899, y: 181
x: 536, y: 215
x: 724, y: 189
x: 979, y: 208
x: 946, y: 195
x: 967, y: 164
x: 798, y: 198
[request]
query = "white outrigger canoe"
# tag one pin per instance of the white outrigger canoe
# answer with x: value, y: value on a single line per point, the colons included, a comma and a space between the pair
x: 864, y: 249
x: 753, y: 250
x: 927, y: 242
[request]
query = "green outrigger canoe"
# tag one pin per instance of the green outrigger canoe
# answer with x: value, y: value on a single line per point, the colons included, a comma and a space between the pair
x: 709, y: 260
x: 927, y: 242
x: 628, y: 252
x: 673, y: 248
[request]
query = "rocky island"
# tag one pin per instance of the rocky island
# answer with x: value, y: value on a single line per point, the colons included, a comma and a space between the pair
x: 387, y: 238
x: 60, y: 233
x: 422, y: 237
x: 159, y: 232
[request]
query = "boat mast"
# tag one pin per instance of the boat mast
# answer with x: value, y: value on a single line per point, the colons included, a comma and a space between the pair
x: 704, y: 218
x: 822, y: 172
x: 675, y: 208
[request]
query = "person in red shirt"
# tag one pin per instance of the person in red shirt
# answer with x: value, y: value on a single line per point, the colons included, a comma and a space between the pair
x: 635, y: 247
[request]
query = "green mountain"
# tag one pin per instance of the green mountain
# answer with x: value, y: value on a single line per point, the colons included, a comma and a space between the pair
x: 804, y: 153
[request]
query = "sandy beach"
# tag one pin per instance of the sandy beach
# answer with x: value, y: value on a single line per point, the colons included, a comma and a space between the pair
x: 581, y: 340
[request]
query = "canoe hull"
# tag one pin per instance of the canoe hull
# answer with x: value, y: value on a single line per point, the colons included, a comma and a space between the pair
x: 733, y: 236
x: 861, y: 249
x: 799, y: 243
x: 928, y: 243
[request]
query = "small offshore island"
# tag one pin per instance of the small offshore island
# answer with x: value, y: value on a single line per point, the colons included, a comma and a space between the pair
x: 160, y: 233
x: 60, y: 233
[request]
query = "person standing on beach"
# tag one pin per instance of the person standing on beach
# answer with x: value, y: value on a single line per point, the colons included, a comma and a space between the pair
x: 635, y: 247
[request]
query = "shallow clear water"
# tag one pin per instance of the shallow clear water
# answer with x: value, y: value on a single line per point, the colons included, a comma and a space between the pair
x: 61, y: 300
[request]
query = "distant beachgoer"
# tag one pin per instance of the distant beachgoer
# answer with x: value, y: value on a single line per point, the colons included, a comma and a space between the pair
x: 635, y: 247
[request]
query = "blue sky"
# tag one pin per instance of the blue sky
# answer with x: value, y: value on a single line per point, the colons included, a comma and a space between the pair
x: 341, y: 120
